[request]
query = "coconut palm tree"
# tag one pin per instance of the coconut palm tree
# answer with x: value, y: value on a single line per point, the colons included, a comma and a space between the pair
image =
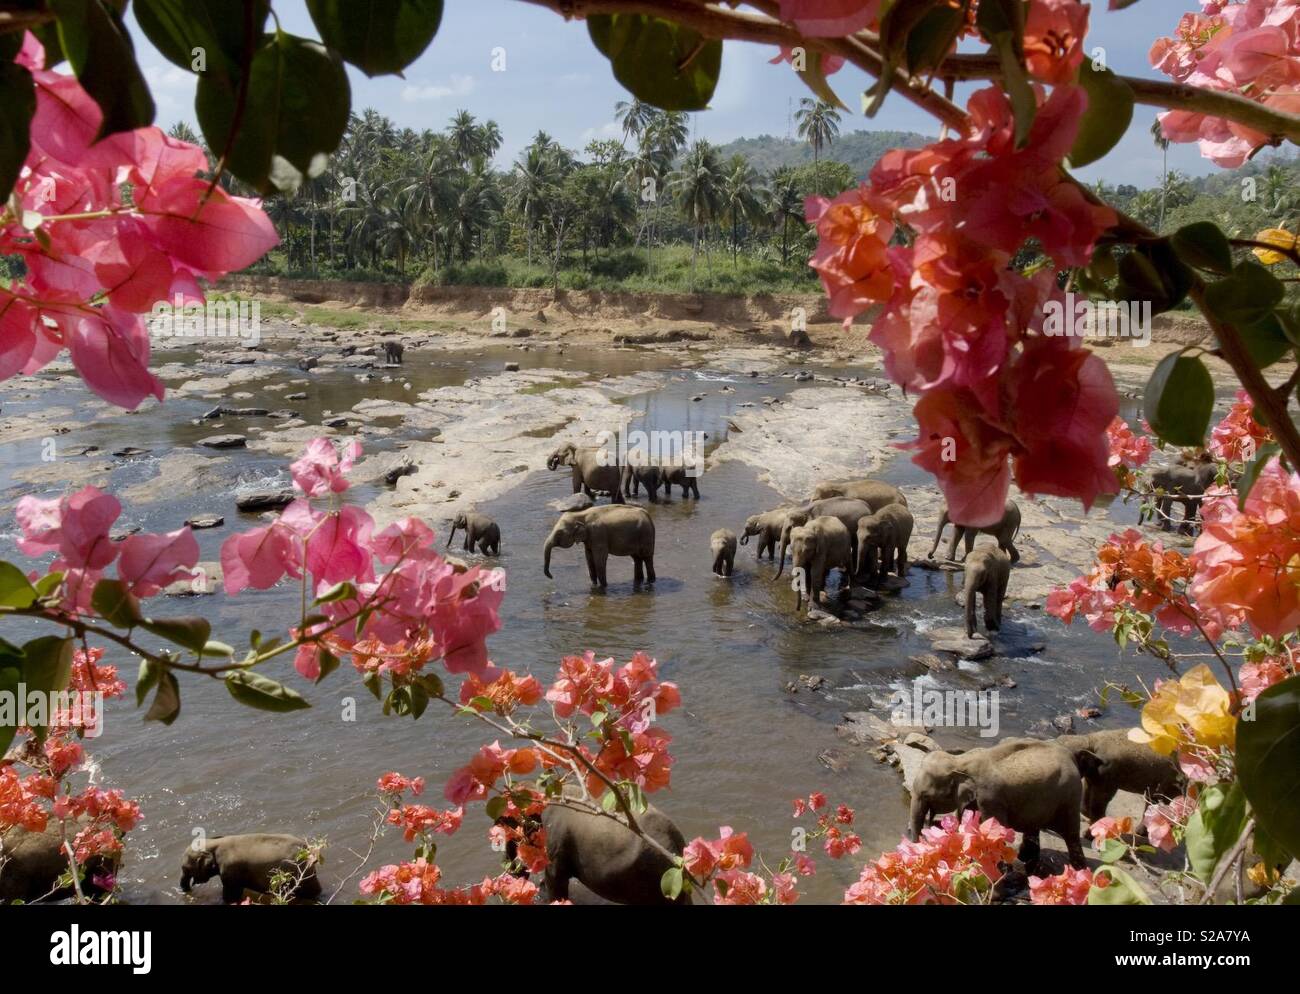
x: 1162, y: 143
x: 819, y: 126
x: 784, y: 203
x: 465, y: 137
x: 537, y: 173
x: 633, y: 115
x: 740, y: 197
x: 698, y: 187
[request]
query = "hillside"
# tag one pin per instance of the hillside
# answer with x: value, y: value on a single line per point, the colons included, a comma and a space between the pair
x: 858, y: 149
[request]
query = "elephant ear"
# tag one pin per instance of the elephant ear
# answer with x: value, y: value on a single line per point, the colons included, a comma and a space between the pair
x: 1089, y: 763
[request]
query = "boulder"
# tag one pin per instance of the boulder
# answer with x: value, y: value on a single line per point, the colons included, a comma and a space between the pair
x: 205, y: 521
x: 264, y: 500
x: 223, y: 442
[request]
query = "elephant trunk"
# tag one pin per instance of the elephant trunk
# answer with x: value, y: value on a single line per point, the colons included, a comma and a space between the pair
x: 185, y: 882
x: 919, y: 813
x: 546, y: 558
x: 781, y: 564
x: 744, y: 539
x: 451, y: 535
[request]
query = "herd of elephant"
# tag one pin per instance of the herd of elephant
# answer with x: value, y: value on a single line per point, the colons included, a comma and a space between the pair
x: 860, y: 527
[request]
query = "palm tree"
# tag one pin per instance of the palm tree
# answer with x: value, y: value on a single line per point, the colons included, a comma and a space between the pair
x: 784, y: 202
x: 537, y: 174
x: 432, y: 189
x: 740, y: 199
x: 698, y: 184
x: 1162, y: 143
x: 465, y: 137
x: 634, y: 116
x: 819, y: 126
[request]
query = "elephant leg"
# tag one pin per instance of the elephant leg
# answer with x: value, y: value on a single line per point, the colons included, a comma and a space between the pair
x: 1164, y: 510
x: 971, y: 535
x: 591, y: 566
x: 695, y: 488
x: 970, y: 612
x: 1067, y: 829
x: 1002, y: 596
x: 231, y: 893
x: 650, y: 567
x: 1096, y: 799
x: 557, y: 881
x: 957, y: 532
x: 900, y: 560
x: 638, y: 570
x: 1031, y: 849
x: 991, y: 608
x: 1010, y: 550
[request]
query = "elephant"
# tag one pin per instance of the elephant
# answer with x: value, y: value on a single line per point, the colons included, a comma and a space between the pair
x: 722, y: 543
x: 686, y: 476
x: 1109, y: 761
x: 607, y: 857
x: 607, y: 531
x: 875, y: 493
x: 987, y: 572
x: 767, y: 526
x: 1004, y: 530
x: 31, y: 864
x: 1184, y: 484
x: 593, y: 470
x: 815, y: 549
x: 636, y: 476
x: 479, y: 530
x: 886, y: 532
x: 848, y: 510
x: 248, y: 862
x: 1026, y: 784
x: 393, y: 353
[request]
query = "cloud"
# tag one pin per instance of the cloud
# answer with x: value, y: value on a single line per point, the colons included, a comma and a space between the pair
x: 459, y: 86
x: 172, y: 87
x: 610, y: 129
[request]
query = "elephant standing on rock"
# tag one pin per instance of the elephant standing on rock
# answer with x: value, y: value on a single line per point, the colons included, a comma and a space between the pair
x: 872, y: 492
x: 815, y: 549
x: 1004, y: 530
x: 607, y: 531
x: 884, y: 533
x: 248, y: 862
x: 987, y: 573
x: 1184, y: 484
x: 767, y: 526
x: 479, y: 530
x: 1026, y: 784
x: 848, y: 510
x: 31, y: 864
x: 1110, y: 761
x: 594, y: 470
x: 607, y: 857
x: 722, y: 543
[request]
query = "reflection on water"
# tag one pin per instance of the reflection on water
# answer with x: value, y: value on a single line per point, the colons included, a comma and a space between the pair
x: 744, y: 745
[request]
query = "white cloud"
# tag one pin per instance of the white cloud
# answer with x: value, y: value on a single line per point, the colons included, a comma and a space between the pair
x: 172, y: 87
x: 459, y: 86
x: 610, y: 129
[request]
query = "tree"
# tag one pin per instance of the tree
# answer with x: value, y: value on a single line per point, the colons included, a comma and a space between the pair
x: 1162, y: 143
x: 698, y: 186
x: 740, y: 197
x: 819, y: 125
x: 784, y: 203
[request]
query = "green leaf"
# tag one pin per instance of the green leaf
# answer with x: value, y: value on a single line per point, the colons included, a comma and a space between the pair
x: 113, y: 601
x: 47, y: 665
x: 930, y: 41
x: 10, y: 677
x: 339, y: 592
x: 263, y: 693
x: 146, y: 679
x: 1153, y: 271
x: 379, y: 36
x: 1268, y: 762
x: 166, y: 706
x: 662, y: 63
x: 1113, y: 851
x: 814, y: 77
x: 1246, y: 296
x: 419, y: 700
x: 178, y: 27
x: 49, y: 583
x: 1109, y: 113
x: 16, y: 590
x: 1265, y: 340
x: 1179, y: 399
x: 1203, y: 246
x: 1122, y: 889
x: 671, y: 883
x: 1214, y: 828
x: 99, y: 50
x: 215, y: 648
x: 897, y: 22
x: 189, y: 633
x: 297, y: 110
x: 1002, y: 23
x: 495, y: 806
x: 17, y: 105
x: 328, y: 663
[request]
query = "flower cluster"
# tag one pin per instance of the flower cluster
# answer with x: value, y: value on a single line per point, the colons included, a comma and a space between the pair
x: 1068, y: 887
x: 833, y: 827
x: 124, y: 221
x: 725, y: 862
x: 1165, y: 822
x: 1128, y: 451
x: 952, y: 860
x: 416, y: 882
x: 1250, y: 48
x: 1239, y: 437
x: 1191, y: 716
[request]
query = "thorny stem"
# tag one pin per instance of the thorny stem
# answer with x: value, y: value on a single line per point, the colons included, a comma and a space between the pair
x: 1229, y: 860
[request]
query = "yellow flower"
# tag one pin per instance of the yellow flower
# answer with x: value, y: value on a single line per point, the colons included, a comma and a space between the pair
x: 1193, y: 710
x: 1280, y: 237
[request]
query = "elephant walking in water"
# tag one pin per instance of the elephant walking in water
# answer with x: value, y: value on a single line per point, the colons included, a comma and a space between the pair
x: 595, y: 469
x: 480, y: 530
x: 251, y: 862
x: 606, y: 531
x: 987, y: 573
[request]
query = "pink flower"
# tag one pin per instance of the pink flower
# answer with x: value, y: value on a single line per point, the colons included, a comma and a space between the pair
x: 148, y: 563
x: 1161, y: 819
x: 258, y: 558
x: 853, y: 232
x: 830, y: 18
x: 1068, y: 887
x: 320, y: 470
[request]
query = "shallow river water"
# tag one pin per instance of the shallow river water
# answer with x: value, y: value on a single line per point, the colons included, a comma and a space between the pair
x: 745, y: 746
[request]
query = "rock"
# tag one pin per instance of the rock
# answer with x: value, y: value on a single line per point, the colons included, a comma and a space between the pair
x: 335, y: 422
x: 284, y: 414
x: 1089, y: 712
x: 918, y: 741
x: 814, y: 682
x: 245, y: 412
x: 834, y: 760
x: 129, y: 452
x: 803, y: 376
x: 397, y: 472
x: 211, y: 415
x: 512, y: 367
x: 223, y: 442
x: 206, y: 580
x: 263, y: 500
x: 1063, y: 723
x: 295, y: 396
x: 117, y: 534
x: 309, y: 362
x: 970, y: 649
x: 697, y: 398
x: 205, y: 521
x: 933, y: 663
x: 864, y: 728
x: 578, y: 502
x: 239, y: 360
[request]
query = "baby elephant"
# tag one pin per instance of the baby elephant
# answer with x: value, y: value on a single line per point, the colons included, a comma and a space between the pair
x: 767, y: 526
x: 987, y: 572
x: 1025, y: 784
x: 607, y: 857
x: 1004, y: 530
x: 723, y: 545
x: 686, y: 476
x: 248, y: 862
x: 31, y: 864
x: 815, y: 549
x: 885, y: 534
x: 1110, y: 762
x: 479, y: 530
x: 1184, y: 484
x: 393, y: 353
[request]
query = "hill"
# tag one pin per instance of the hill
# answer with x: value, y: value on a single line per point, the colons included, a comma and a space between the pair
x: 858, y: 149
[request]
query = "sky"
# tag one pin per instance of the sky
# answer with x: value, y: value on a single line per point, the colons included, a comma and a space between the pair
x: 555, y: 80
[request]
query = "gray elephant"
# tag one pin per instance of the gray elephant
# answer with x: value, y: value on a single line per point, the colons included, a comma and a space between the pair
x: 875, y: 493
x: 1026, y: 784
x: 249, y: 862
x: 646, y: 475
x: 31, y: 864
x: 595, y: 470
x: 767, y: 526
x: 815, y: 549
x: 686, y: 476
x: 607, y: 857
x: 393, y: 353
x: 607, y: 531
x: 722, y: 543
x: 1004, y: 530
x: 987, y: 572
x: 1181, y: 483
x: 480, y: 530
x: 1109, y: 761
x: 882, y: 541
x: 849, y: 511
